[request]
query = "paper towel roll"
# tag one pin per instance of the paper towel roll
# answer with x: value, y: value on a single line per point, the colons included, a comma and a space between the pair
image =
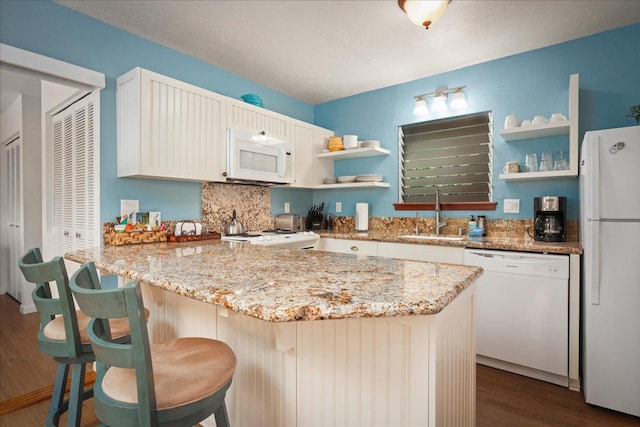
x: 362, y: 216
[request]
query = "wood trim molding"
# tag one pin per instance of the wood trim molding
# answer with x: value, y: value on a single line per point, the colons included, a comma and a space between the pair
x: 64, y: 72
x: 453, y: 206
x: 17, y: 403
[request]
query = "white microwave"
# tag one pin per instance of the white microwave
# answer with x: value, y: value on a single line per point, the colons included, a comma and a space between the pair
x: 253, y: 157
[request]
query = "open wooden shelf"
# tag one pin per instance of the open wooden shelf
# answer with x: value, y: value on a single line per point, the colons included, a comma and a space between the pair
x: 355, y: 153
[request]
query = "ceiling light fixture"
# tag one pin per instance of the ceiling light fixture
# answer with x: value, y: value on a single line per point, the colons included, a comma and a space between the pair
x: 424, y: 12
x: 440, y: 97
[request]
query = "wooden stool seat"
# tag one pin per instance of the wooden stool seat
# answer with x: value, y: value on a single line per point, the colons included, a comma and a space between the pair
x: 55, y: 330
x: 185, y: 370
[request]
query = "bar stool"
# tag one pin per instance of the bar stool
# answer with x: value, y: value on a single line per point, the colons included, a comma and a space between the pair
x: 177, y: 382
x: 63, y: 337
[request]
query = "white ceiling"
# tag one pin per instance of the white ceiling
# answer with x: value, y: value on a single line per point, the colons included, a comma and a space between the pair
x: 317, y: 51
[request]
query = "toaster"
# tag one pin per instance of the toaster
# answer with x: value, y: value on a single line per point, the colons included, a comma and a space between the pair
x: 289, y: 222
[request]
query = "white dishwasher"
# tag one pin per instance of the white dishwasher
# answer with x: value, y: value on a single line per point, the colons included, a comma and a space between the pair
x: 522, y: 313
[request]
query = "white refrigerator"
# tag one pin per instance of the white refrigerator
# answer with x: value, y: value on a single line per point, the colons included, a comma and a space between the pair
x: 610, y: 236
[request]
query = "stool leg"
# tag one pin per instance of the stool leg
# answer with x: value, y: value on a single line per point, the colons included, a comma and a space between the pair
x: 57, y: 398
x: 222, y: 418
x: 76, y: 394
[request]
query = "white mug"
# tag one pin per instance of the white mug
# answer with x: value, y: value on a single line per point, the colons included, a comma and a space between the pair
x: 511, y: 167
x: 538, y: 120
x: 526, y: 123
x: 511, y: 122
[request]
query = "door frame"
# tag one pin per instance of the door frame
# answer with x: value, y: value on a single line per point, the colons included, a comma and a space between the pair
x: 53, y: 70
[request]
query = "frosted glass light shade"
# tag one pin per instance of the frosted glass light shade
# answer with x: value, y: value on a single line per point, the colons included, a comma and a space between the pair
x: 458, y: 100
x: 425, y: 12
x: 420, y: 107
x: 439, y: 103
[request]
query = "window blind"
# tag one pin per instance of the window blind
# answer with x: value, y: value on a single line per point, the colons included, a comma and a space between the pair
x: 452, y: 155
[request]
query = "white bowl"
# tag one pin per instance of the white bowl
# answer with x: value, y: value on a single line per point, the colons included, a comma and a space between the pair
x: 346, y: 178
x: 370, y: 143
x: 330, y: 180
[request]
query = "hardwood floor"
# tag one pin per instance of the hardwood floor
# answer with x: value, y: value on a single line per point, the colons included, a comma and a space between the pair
x: 503, y: 399
x: 23, y: 369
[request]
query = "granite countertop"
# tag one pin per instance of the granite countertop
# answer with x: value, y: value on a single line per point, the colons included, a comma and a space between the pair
x: 281, y: 285
x: 525, y: 244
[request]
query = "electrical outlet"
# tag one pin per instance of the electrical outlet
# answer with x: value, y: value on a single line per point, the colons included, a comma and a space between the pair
x: 287, y: 207
x: 511, y: 206
x: 338, y: 207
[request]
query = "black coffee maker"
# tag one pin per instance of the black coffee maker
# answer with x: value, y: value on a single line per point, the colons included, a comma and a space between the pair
x: 550, y: 223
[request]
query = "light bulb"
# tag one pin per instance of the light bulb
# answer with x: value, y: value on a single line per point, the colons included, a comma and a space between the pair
x: 439, y: 104
x: 458, y: 100
x: 425, y: 12
x: 420, y: 107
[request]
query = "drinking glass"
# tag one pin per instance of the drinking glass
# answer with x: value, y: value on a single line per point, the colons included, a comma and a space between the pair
x: 545, y: 165
x: 561, y: 163
x: 531, y: 162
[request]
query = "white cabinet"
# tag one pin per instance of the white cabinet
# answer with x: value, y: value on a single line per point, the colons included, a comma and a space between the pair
x: 247, y: 116
x: 308, y: 140
x: 419, y: 252
x: 327, y: 159
x: 408, y: 251
x: 347, y: 246
x: 168, y: 129
x: 302, y: 139
x: 569, y: 127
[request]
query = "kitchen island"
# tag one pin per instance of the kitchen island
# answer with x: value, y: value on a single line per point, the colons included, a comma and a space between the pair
x: 321, y: 338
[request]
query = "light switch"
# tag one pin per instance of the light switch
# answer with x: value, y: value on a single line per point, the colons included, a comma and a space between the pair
x: 287, y: 207
x: 338, y: 207
x: 511, y: 206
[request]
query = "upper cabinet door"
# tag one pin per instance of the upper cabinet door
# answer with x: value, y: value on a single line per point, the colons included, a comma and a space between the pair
x: 246, y: 116
x: 168, y: 129
x: 302, y: 138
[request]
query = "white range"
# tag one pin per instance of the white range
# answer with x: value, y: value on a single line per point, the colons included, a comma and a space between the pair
x: 295, y: 240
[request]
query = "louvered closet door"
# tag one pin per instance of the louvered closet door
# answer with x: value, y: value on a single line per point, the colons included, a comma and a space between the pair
x: 75, y: 178
x: 13, y: 213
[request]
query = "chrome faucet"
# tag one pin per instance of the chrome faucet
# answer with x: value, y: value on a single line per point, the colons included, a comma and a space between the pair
x: 439, y: 224
x: 416, y: 228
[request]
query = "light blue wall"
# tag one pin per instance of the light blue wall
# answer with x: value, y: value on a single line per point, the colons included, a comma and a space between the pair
x: 58, y: 32
x: 527, y: 84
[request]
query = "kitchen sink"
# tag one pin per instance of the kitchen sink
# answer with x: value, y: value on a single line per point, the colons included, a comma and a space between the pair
x: 431, y: 237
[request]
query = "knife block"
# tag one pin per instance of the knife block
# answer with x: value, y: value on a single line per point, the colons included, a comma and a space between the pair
x: 315, y: 221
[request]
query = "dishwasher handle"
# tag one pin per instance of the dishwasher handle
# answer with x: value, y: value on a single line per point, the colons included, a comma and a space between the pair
x: 519, y: 263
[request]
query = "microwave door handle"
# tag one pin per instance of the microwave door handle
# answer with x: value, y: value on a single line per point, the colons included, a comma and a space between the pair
x: 282, y: 165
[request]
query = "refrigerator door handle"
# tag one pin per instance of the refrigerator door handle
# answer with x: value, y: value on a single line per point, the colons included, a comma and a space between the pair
x: 595, y: 261
x: 594, y: 179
